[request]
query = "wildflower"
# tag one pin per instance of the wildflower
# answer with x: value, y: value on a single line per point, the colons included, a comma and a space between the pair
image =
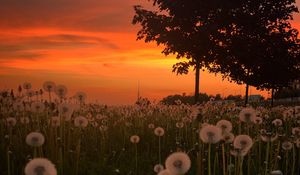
x: 40, y: 166
x: 81, y: 122
x: 178, y: 163
x: 247, y: 115
x: 24, y: 120
x: 135, y: 139
x: 269, y: 137
x: 80, y: 96
x: 164, y: 172
x: 296, y: 131
x: 151, y: 126
x: 228, y: 137
x: 286, y: 145
x: 243, y: 142
x: 10, y: 121
x: 27, y: 86
x: 35, y: 139
x: 61, y: 91
x: 66, y: 110
x: 55, y: 121
x: 276, y: 172
x: 225, y: 125
x: 49, y: 86
x: 158, y: 168
x: 277, y: 122
x: 159, y: 131
x: 18, y: 106
x: 258, y: 120
x: 179, y: 124
x: 210, y: 134
x: 37, y: 107
x: 30, y: 93
x: 103, y: 128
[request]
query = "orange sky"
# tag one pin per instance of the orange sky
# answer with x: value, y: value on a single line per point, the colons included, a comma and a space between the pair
x: 90, y: 46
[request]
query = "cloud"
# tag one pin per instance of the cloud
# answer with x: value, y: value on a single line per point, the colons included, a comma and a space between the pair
x: 33, y: 47
x: 87, y: 15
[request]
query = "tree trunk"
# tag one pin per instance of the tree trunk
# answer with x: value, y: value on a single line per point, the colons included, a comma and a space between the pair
x: 272, y: 97
x: 246, y: 94
x: 197, y: 79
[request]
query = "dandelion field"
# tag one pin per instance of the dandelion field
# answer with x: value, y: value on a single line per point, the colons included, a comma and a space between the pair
x: 48, y: 134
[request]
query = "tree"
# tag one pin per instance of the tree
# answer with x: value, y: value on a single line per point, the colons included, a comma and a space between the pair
x: 228, y: 37
x: 260, y: 48
x: 186, y: 29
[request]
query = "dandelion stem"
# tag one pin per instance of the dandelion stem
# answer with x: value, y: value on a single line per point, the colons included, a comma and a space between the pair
x: 159, y: 156
x: 224, y: 159
x: 136, y: 160
x: 267, y: 158
x: 8, y: 162
x: 209, y: 161
x: 294, y: 161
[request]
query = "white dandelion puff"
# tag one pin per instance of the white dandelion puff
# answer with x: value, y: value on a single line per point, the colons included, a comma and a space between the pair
x: 61, y: 91
x: 247, y: 115
x: 135, y: 139
x: 228, y: 137
x: 164, y: 172
x: 49, y: 86
x: 286, y: 145
x: 37, y: 107
x: 210, y: 134
x: 40, y: 166
x: 277, y: 122
x: 158, y: 168
x: 55, y: 121
x: 10, y: 121
x: 35, y: 139
x: 243, y: 142
x: 159, y: 131
x: 225, y: 125
x: 178, y: 163
x: 81, y: 122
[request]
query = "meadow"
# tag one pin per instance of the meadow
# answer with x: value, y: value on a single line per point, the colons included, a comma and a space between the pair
x: 46, y: 133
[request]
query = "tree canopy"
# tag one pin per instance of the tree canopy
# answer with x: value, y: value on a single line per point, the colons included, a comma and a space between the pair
x: 248, y: 42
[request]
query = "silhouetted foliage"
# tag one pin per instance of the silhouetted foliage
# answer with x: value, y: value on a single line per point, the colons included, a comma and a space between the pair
x: 246, y: 41
x: 185, y: 99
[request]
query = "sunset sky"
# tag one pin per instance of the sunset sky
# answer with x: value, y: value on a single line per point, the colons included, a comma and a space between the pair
x: 90, y: 46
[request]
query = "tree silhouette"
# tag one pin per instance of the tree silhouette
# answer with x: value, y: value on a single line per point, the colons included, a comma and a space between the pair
x: 261, y: 48
x: 186, y: 29
x: 229, y: 37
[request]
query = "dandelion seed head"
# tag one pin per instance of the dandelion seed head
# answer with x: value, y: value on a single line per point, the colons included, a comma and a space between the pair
x: 178, y: 163
x: 243, y: 142
x: 40, y: 166
x: 10, y: 121
x: 158, y: 168
x: 210, y: 134
x: 277, y: 122
x: 276, y: 172
x: 81, y: 122
x: 49, y: 86
x: 151, y: 126
x: 35, y: 139
x: 247, y: 115
x: 159, y: 131
x: 224, y: 125
x: 135, y: 139
x: 287, y: 145
x: 164, y: 172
